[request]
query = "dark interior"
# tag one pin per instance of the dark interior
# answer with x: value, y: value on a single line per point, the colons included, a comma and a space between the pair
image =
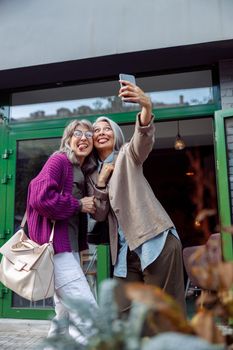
x: 183, y: 190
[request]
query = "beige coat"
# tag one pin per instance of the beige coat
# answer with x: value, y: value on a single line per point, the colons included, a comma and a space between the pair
x: 132, y: 202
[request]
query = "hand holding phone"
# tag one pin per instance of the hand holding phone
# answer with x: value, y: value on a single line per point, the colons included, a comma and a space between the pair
x: 130, y: 78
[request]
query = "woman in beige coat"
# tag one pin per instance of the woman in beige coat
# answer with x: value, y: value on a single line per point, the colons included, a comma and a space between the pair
x: 143, y: 240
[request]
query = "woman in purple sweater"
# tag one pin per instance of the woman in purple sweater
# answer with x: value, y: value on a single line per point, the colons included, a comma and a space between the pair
x: 57, y: 194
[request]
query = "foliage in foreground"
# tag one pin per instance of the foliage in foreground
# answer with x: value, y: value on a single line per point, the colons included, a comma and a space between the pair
x: 155, y: 321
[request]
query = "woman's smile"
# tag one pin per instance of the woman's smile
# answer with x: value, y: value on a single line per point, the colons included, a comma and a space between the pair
x: 103, y: 136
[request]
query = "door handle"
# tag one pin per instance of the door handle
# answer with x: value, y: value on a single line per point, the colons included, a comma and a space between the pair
x: 3, y: 291
x: 6, y: 179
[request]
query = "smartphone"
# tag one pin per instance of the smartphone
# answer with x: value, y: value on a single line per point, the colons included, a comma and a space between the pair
x: 127, y: 77
x: 131, y: 79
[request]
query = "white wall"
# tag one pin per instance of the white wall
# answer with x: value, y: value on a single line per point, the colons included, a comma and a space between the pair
x: 36, y: 32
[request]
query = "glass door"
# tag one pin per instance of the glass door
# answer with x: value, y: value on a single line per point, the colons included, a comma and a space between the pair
x: 224, y: 168
x: 30, y: 148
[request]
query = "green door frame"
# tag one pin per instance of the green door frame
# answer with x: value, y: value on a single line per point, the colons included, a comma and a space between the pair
x: 13, y: 132
x: 222, y: 180
x: 15, y: 135
x: 4, y: 234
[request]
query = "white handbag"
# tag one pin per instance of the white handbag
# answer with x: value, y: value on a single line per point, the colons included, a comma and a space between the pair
x: 26, y: 267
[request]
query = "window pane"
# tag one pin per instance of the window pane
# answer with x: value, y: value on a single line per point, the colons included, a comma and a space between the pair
x: 192, y: 88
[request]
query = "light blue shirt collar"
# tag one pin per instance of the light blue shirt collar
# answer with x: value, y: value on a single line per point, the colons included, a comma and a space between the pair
x: 109, y: 159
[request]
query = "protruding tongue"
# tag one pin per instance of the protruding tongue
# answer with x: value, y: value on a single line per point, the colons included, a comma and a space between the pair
x: 82, y: 147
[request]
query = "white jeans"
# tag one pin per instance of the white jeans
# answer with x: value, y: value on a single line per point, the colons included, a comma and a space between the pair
x: 70, y: 282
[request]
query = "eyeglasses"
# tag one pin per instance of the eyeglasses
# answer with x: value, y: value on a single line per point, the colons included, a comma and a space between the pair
x: 80, y: 133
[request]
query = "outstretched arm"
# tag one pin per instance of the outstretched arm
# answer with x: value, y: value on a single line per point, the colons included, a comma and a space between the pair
x: 132, y: 93
x: 142, y: 141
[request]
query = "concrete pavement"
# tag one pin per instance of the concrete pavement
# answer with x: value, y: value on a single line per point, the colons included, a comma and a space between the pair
x: 22, y: 334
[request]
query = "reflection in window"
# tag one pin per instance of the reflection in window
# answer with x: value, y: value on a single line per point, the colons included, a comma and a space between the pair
x: 178, y: 98
x: 174, y: 90
x: 31, y: 156
x: 112, y: 104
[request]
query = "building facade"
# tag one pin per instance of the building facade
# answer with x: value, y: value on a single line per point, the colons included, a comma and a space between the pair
x: 60, y: 60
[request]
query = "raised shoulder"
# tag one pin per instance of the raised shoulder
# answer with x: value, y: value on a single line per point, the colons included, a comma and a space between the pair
x: 58, y: 161
x: 57, y: 168
x: 59, y: 158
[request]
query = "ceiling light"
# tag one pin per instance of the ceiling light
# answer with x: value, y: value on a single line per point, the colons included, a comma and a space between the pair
x: 179, y: 142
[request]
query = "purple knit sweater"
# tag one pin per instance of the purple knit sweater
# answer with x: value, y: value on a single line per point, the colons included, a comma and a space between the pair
x: 45, y: 202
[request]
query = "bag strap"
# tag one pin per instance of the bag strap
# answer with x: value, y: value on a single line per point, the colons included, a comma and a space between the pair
x: 52, y: 232
x: 23, y: 222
